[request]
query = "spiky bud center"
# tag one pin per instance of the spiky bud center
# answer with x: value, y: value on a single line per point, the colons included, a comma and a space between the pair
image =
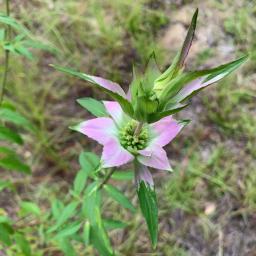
x: 133, y: 142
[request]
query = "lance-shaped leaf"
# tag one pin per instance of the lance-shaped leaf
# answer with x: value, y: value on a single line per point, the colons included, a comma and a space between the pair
x: 186, y: 85
x: 95, y: 107
x: 119, y: 197
x: 91, y: 209
x: 179, y: 59
x: 8, y: 134
x: 147, y: 200
x: 112, y: 89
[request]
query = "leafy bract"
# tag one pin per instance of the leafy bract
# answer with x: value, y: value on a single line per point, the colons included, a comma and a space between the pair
x: 148, y: 205
x: 124, y: 103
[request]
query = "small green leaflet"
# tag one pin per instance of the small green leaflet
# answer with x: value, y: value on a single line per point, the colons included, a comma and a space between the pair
x: 29, y: 207
x: 119, y: 197
x: 89, y: 162
x: 65, y: 214
x: 95, y: 229
x: 9, y: 135
x: 95, y: 107
x: 13, y: 23
x: 9, y: 115
x: 13, y: 163
x: 69, y: 230
x: 80, y: 181
x: 148, y: 205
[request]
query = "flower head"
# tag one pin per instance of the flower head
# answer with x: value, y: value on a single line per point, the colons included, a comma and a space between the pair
x: 123, y: 142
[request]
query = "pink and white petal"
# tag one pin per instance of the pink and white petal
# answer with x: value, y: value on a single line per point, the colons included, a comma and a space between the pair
x: 101, y: 129
x: 158, y: 159
x: 115, y: 155
x: 109, y: 85
x: 165, y: 130
x: 142, y: 173
x: 115, y: 110
x: 198, y: 84
x: 129, y: 94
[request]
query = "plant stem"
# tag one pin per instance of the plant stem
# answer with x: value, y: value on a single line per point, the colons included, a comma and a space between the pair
x: 6, y: 61
x: 138, y: 129
x: 106, y: 179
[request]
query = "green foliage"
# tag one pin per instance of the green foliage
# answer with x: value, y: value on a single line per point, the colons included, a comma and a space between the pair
x: 148, y: 205
x: 95, y: 107
x: 119, y: 197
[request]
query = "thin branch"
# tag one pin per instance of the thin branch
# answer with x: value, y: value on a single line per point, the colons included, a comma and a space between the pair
x: 106, y: 179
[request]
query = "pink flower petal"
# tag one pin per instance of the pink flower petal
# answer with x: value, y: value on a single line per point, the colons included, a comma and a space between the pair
x: 198, y: 84
x: 157, y: 159
x: 115, y: 155
x: 142, y: 173
x: 115, y: 110
x: 107, y: 84
x: 166, y: 130
x: 101, y: 129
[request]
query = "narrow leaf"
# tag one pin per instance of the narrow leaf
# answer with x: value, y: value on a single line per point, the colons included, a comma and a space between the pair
x: 67, y: 213
x: 148, y: 205
x: 119, y: 197
x: 8, y: 134
x: 68, y: 231
x: 80, y: 181
x: 95, y: 107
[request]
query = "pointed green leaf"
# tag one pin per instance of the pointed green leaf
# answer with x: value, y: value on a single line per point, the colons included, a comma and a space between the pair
x: 9, y: 115
x: 91, y: 202
x: 80, y: 181
x: 119, y: 197
x: 95, y: 107
x: 68, y: 212
x: 13, y: 163
x: 8, y: 134
x: 69, y: 230
x: 89, y: 162
x: 30, y: 207
x: 148, y: 205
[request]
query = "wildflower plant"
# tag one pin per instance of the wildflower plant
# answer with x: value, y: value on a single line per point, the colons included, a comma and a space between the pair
x: 134, y: 128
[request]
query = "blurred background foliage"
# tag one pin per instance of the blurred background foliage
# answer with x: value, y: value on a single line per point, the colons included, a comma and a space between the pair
x: 208, y: 205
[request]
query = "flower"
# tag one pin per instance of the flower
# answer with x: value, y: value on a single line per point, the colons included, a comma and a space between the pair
x: 121, y: 143
x: 155, y: 95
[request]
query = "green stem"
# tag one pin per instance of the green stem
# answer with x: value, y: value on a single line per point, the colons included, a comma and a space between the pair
x: 106, y: 179
x: 6, y: 61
